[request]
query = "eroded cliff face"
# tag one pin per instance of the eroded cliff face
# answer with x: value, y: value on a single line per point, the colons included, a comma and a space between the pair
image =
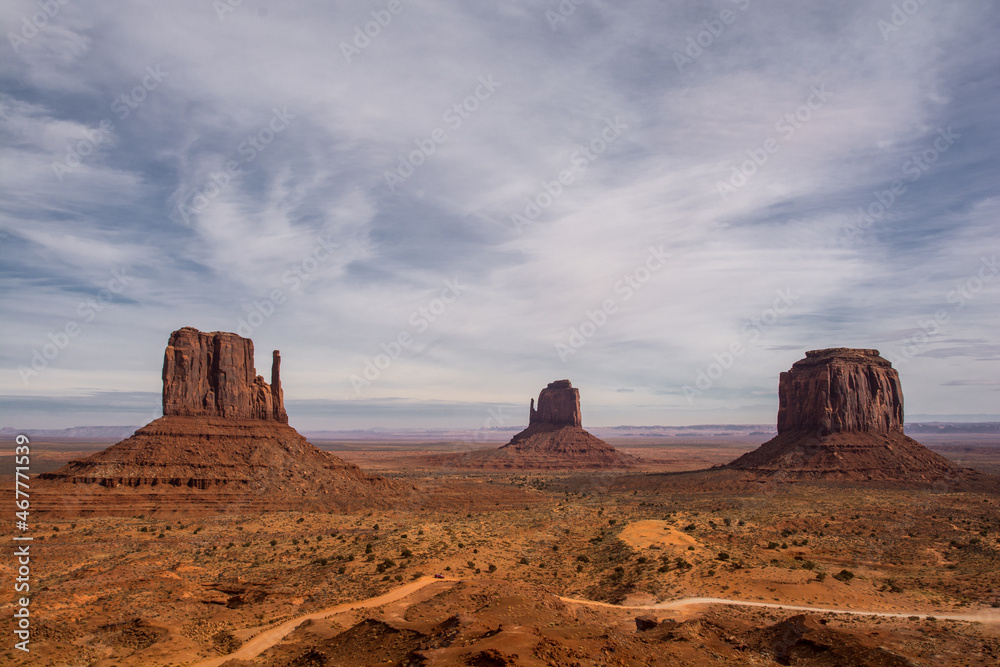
x: 213, y: 375
x: 840, y: 390
x: 558, y: 405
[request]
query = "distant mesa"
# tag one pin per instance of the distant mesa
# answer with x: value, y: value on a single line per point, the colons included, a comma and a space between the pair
x: 554, y: 439
x: 840, y: 415
x: 223, y: 444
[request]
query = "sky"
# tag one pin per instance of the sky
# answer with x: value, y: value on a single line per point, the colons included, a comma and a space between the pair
x: 433, y: 209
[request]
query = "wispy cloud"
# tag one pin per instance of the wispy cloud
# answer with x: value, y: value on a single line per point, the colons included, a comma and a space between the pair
x: 205, y: 127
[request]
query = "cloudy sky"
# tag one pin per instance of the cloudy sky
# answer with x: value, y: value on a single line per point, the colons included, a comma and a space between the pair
x: 666, y: 202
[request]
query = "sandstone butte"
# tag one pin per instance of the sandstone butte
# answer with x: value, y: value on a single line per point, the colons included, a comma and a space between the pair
x: 554, y: 440
x: 222, y: 444
x: 840, y: 416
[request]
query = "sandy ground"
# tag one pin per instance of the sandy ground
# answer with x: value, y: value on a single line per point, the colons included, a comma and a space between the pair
x: 271, y: 636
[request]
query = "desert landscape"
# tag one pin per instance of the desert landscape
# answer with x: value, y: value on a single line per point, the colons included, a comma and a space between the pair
x: 217, y: 535
x: 530, y: 333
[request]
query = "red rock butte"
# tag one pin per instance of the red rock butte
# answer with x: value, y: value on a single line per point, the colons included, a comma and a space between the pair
x: 840, y: 415
x: 223, y: 444
x: 213, y: 375
x: 555, y: 439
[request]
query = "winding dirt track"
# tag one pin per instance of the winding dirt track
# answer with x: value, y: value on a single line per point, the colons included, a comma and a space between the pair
x: 268, y: 638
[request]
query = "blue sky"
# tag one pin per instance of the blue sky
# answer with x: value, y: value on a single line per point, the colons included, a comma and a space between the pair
x: 667, y: 203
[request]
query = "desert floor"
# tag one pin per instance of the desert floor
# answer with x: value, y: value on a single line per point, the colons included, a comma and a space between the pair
x: 537, y: 568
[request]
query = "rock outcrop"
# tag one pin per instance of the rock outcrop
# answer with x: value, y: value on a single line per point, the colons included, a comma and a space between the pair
x: 555, y: 439
x: 840, y: 415
x: 840, y: 389
x: 558, y: 405
x: 213, y: 375
x: 223, y: 445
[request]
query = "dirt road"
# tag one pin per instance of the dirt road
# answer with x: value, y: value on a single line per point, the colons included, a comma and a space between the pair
x: 982, y: 616
x: 268, y: 638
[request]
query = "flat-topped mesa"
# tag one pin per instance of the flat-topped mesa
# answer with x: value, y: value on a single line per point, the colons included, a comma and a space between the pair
x: 840, y: 390
x: 213, y: 375
x: 558, y: 405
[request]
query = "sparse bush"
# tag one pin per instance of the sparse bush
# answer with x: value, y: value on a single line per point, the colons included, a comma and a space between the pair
x: 492, y: 568
x: 844, y: 575
x: 523, y: 561
x: 727, y: 521
x: 405, y: 553
x: 375, y: 527
x: 690, y: 527
x: 274, y: 542
x: 722, y: 556
x: 820, y: 576
x: 471, y: 564
x: 341, y: 570
x: 772, y: 545
x: 582, y: 558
